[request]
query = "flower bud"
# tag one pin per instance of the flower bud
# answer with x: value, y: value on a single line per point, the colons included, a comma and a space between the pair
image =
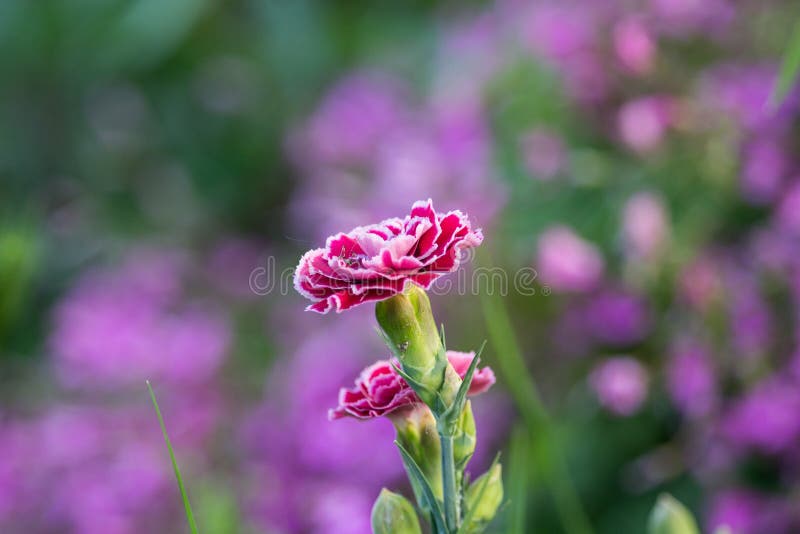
x: 416, y: 432
x: 671, y: 517
x: 393, y: 514
x: 464, y: 438
x: 483, y: 498
x: 408, y: 323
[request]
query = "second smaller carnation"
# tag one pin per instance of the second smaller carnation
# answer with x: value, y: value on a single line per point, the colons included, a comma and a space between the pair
x: 381, y: 391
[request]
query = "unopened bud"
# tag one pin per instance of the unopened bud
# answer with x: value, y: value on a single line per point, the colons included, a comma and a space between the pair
x: 393, y: 514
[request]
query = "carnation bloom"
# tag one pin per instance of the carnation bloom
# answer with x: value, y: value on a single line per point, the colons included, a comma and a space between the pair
x: 375, y: 262
x: 381, y: 391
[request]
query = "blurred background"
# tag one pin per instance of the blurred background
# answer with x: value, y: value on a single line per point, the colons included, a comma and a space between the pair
x: 154, y: 154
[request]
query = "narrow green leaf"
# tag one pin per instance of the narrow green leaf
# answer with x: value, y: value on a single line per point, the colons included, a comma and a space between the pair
x: 418, y: 478
x: 461, y: 395
x: 186, y: 506
x: 790, y: 68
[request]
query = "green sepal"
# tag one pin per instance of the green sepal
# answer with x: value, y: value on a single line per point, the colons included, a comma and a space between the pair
x: 393, y: 514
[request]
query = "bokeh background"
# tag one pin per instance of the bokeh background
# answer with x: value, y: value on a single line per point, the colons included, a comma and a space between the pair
x: 154, y: 153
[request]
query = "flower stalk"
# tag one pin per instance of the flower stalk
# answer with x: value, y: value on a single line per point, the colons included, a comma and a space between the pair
x: 424, y: 390
x: 408, y: 327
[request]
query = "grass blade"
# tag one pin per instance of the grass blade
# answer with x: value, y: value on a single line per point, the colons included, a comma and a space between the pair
x: 790, y: 68
x: 525, y: 394
x: 518, y: 481
x: 186, y: 506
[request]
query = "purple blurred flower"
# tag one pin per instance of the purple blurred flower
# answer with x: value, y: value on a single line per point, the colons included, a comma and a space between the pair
x: 565, y: 35
x: 679, y: 17
x: 644, y: 225
x: 616, y: 318
x: 566, y: 262
x: 788, y: 212
x: 231, y: 263
x: 544, y: 153
x: 290, y: 439
x: 436, y: 149
x: 89, y: 469
x: 691, y: 380
x: 737, y: 509
x: 339, y: 509
x: 766, y: 418
x: 745, y: 511
x: 558, y: 31
x: 120, y: 327
x: 764, y: 167
x: 352, y: 119
x: 700, y: 282
x: 642, y: 123
x: 620, y: 384
x: 634, y: 45
x: 751, y: 319
x: 741, y: 92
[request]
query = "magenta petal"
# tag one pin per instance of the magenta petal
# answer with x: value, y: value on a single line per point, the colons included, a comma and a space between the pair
x: 372, y: 263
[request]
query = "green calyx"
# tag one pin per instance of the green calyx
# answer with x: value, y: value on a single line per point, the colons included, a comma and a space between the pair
x: 409, y: 329
x: 393, y: 514
x: 416, y: 432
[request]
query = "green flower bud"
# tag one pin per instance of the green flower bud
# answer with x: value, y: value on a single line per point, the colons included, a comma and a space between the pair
x: 483, y: 498
x: 464, y: 439
x: 393, y: 514
x: 671, y: 517
x: 408, y: 323
x: 416, y: 432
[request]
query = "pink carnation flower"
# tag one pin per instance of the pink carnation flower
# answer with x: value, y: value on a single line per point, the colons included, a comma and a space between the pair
x: 381, y: 391
x: 375, y: 262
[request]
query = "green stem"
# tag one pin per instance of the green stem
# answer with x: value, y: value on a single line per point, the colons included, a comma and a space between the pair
x: 451, y: 498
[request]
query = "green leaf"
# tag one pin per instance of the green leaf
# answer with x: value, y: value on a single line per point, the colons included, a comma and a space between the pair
x: 671, y: 517
x: 790, y: 69
x: 418, y: 478
x: 186, y: 505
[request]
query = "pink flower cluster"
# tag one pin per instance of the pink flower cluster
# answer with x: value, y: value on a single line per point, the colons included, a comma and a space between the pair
x: 381, y: 391
x: 375, y: 262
